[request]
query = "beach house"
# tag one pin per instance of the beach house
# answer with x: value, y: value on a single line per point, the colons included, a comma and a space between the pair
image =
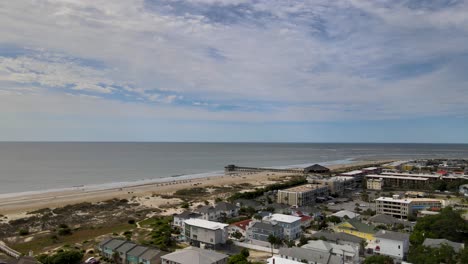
x: 204, y: 233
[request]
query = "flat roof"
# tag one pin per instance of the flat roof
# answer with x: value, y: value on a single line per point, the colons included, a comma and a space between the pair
x: 371, y: 168
x: 354, y: 172
x: 304, y: 188
x: 406, y: 200
x: 284, y: 218
x: 396, y: 177
x: 205, y: 224
x: 411, y: 175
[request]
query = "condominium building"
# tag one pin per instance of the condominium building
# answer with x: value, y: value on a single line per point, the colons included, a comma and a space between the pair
x: 302, y: 195
x: 358, y: 175
x: 203, y: 233
x: 402, y: 208
x: 336, y: 185
x: 400, y: 181
x: 375, y: 184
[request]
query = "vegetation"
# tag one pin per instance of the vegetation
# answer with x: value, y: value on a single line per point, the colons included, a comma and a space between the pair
x: 448, y: 224
x: 274, y: 241
x: 334, y: 219
x: 277, y: 186
x: 23, y: 232
x: 64, y: 257
x: 161, y: 236
x: 378, y: 259
x: 445, y: 254
x: 197, y: 191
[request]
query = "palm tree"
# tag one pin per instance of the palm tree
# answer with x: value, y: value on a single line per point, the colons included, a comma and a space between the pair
x: 273, y: 240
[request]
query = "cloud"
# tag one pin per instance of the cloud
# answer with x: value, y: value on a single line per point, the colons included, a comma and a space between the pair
x: 240, y: 60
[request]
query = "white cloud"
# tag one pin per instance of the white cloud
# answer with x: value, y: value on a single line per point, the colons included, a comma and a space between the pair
x: 341, y: 59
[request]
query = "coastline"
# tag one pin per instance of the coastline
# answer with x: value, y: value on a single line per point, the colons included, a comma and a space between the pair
x: 16, y: 204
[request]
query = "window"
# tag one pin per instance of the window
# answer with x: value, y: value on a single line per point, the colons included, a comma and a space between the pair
x: 398, y: 246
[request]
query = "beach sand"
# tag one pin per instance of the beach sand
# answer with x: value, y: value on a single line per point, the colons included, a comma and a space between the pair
x: 15, y: 206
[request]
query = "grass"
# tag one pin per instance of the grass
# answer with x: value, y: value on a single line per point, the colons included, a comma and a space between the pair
x: 43, y: 243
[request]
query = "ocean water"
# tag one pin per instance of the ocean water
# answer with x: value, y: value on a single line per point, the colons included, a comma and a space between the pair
x: 41, y: 166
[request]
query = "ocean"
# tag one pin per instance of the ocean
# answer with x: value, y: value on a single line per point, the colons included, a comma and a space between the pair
x: 34, y: 166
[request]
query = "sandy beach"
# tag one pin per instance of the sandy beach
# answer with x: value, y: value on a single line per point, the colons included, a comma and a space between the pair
x: 15, y: 206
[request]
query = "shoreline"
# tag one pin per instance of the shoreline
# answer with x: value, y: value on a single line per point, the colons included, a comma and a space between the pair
x: 20, y: 203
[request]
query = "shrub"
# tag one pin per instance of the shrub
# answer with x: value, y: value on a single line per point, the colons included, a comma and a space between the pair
x: 23, y: 232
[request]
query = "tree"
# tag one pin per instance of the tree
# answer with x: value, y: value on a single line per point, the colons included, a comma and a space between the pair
x: 64, y: 257
x: 421, y: 255
x: 378, y: 259
x: 238, y: 259
x: 334, y: 219
x: 448, y: 224
x: 273, y: 240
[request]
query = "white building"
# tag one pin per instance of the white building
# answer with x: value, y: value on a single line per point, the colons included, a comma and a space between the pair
x: 205, y: 234
x: 336, y: 185
x: 402, y: 208
x: 179, y: 219
x: 375, y: 184
x: 302, y: 195
x: 291, y: 224
x: 350, y: 215
x: 358, y: 175
x: 393, y: 244
x: 347, y: 253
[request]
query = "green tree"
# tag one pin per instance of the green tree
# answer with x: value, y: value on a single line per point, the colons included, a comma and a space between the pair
x: 64, y: 257
x: 378, y: 259
x: 334, y: 219
x: 238, y: 259
x: 273, y: 240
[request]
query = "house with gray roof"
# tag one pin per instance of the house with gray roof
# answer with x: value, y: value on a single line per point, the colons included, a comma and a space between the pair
x: 123, y: 249
x: 129, y: 252
x: 218, y: 212
x: 151, y: 256
x: 437, y: 243
x: 108, y: 246
x: 185, y: 215
x: 388, y: 220
x: 193, y: 255
x: 392, y: 244
x: 258, y: 232
x: 133, y: 256
x: 340, y: 238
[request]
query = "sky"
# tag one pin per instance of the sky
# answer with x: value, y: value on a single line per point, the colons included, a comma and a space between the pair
x: 234, y: 70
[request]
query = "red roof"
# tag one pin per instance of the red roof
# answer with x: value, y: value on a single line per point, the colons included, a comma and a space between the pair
x: 306, y: 218
x: 242, y: 224
x: 443, y: 172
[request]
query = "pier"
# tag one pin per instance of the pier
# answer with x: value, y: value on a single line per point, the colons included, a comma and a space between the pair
x: 233, y: 169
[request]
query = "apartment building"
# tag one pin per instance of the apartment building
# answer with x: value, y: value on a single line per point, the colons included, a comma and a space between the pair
x: 302, y: 195
x: 402, y: 208
x: 393, y: 244
x: 129, y: 252
x: 336, y: 185
x: 204, y: 233
x: 375, y: 184
x: 291, y: 224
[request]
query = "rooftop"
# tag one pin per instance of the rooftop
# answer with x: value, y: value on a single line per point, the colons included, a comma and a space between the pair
x: 371, y: 168
x: 205, y: 224
x: 266, y: 226
x: 406, y: 200
x: 344, y: 213
x: 359, y: 226
x: 137, y: 251
x: 284, y: 218
x: 126, y: 247
x: 395, y: 177
x: 195, y: 255
x: 242, y: 224
x: 430, y: 242
x: 387, y: 220
x: 113, y: 243
x: 150, y: 254
x: 331, y: 236
x: 392, y: 235
x: 304, y: 188
x: 351, y: 173
x: 416, y: 175
x: 188, y: 215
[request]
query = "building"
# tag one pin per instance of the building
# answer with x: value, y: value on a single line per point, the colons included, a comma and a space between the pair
x: 358, y: 175
x: 396, y: 181
x: 375, y: 184
x: 129, y: 252
x: 108, y: 247
x: 316, y: 168
x: 291, y: 224
x: 388, y: 220
x: 193, y: 255
x: 372, y: 170
x: 302, y: 195
x: 218, y: 212
x: 345, y: 214
x: 179, y: 219
x: 240, y: 227
x: 297, y: 255
x: 393, y: 244
x: 336, y: 185
x: 348, y: 254
x: 430, y: 177
x: 437, y: 243
x: 204, y: 233
x: 356, y: 228
x: 339, y: 238
x: 402, y: 208
x: 258, y: 232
